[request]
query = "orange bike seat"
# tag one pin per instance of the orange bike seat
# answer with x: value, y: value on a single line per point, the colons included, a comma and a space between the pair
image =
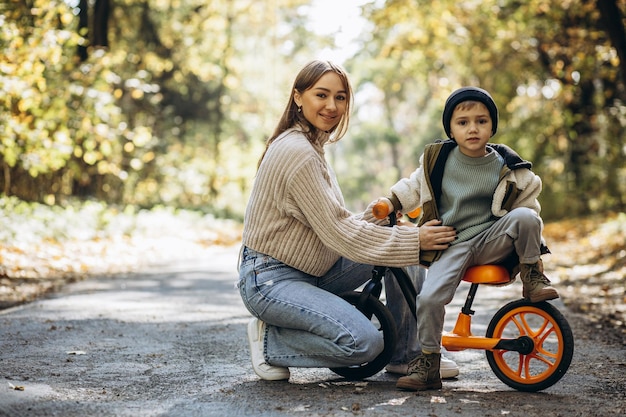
x: 487, y: 274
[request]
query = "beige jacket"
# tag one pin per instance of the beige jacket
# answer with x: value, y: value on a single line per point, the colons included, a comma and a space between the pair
x: 518, y: 186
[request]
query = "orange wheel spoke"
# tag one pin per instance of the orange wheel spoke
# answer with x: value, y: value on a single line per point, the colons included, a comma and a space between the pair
x: 520, y: 324
x: 545, y: 359
x: 541, y: 329
x: 546, y: 332
x: 528, y: 329
x: 526, y: 361
x: 520, y: 365
x: 544, y: 362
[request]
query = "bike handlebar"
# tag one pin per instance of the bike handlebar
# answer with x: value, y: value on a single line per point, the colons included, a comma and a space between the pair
x: 415, y: 213
x: 381, y: 210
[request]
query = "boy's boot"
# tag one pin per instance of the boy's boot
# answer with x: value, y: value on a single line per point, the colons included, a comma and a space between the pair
x: 536, y: 285
x: 423, y: 373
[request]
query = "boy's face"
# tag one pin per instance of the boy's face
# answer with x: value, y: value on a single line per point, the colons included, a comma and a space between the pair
x: 470, y: 127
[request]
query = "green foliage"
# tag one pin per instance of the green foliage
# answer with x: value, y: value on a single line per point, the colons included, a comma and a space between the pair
x: 86, y: 238
x: 155, y: 119
x: 176, y: 110
x: 34, y: 92
x: 551, y: 67
x: 25, y: 223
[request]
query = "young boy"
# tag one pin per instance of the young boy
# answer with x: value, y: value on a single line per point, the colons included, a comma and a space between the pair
x: 489, y: 194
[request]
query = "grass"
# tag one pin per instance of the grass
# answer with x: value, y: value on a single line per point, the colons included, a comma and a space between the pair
x: 43, y: 247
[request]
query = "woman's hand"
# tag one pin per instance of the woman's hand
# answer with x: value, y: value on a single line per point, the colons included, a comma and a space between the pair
x: 433, y: 236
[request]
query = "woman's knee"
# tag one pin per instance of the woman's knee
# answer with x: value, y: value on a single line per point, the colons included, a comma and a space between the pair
x: 371, y: 347
x: 366, y: 346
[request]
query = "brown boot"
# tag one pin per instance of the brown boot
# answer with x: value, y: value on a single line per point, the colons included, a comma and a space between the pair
x: 536, y: 285
x: 423, y: 373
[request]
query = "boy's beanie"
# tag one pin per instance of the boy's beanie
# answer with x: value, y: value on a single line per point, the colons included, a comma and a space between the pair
x: 466, y: 94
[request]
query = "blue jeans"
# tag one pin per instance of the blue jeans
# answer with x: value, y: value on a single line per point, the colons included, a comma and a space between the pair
x: 308, y: 324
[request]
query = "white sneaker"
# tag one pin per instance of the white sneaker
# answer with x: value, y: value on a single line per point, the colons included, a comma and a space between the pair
x: 448, y: 368
x: 256, y: 330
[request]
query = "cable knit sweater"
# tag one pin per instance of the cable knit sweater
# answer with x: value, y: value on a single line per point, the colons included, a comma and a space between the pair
x: 296, y: 214
x: 464, y: 204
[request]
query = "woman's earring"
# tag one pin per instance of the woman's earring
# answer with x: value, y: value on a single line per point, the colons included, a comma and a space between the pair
x: 299, y: 109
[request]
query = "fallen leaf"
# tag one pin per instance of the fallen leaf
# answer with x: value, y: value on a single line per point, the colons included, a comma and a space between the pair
x: 16, y: 387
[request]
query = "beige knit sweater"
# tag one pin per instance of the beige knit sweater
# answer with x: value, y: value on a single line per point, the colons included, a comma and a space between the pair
x: 296, y: 214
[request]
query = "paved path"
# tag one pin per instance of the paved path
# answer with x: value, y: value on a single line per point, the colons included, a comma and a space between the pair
x: 171, y: 342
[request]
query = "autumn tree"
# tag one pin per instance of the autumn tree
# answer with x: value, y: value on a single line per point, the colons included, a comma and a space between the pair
x: 554, y: 68
x: 140, y: 102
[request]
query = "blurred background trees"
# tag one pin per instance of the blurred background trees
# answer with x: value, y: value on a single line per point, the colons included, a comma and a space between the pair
x: 168, y: 102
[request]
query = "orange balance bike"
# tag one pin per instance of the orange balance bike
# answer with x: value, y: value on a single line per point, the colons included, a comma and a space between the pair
x: 529, y: 346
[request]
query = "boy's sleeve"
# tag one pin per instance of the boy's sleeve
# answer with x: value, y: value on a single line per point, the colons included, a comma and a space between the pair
x: 406, y: 194
x: 527, y: 187
x: 530, y: 193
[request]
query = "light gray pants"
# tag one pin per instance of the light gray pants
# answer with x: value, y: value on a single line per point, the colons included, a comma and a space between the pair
x: 519, y: 231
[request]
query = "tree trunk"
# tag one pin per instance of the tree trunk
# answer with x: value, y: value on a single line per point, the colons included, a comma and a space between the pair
x: 614, y: 23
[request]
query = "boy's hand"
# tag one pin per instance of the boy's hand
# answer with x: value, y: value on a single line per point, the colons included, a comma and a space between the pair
x: 433, y: 236
x: 402, y: 222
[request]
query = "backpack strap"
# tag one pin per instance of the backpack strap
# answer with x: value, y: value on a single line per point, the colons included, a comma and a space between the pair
x: 437, y: 165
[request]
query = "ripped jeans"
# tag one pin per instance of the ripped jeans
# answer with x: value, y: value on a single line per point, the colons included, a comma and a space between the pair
x: 309, y: 325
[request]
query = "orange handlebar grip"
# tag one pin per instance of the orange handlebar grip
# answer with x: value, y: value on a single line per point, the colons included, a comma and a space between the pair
x: 415, y: 213
x: 380, y: 210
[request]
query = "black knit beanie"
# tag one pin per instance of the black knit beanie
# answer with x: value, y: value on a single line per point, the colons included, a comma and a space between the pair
x: 466, y: 94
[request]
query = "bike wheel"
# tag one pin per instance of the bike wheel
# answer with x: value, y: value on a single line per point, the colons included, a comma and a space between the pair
x: 551, y: 355
x: 382, y: 319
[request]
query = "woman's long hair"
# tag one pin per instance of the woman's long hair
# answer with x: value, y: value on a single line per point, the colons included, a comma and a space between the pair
x: 306, y: 79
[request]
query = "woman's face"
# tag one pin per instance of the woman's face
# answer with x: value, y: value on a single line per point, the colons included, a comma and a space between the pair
x: 324, y: 103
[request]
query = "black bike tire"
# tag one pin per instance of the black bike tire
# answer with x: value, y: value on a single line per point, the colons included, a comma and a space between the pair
x: 565, y: 360
x: 373, y: 306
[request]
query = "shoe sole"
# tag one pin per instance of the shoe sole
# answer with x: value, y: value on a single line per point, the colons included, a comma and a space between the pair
x: 413, y: 386
x: 445, y: 373
x: 543, y: 297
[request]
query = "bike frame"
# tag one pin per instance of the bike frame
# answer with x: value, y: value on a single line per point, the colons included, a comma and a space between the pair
x: 461, y: 337
x: 534, y: 355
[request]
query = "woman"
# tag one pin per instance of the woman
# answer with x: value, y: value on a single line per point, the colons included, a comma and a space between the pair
x: 302, y: 247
